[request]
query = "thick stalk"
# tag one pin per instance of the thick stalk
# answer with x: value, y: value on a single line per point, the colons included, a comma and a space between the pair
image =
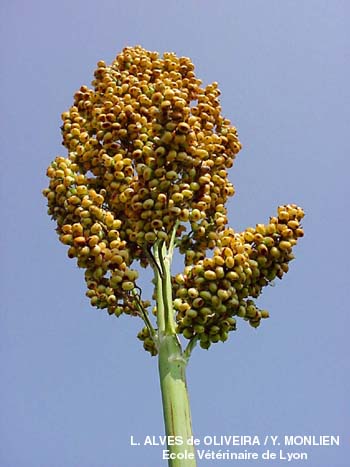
x: 172, y: 371
x: 176, y: 407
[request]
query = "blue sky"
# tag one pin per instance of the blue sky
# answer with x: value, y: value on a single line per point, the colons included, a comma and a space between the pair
x: 76, y: 383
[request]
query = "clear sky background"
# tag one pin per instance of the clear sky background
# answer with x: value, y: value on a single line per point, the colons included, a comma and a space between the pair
x: 76, y: 383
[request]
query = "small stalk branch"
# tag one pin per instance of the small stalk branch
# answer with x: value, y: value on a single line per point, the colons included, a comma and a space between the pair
x: 165, y: 261
x: 143, y: 313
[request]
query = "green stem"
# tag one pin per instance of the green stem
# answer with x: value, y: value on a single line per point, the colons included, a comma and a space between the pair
x: 176, y: 406
x: 172, y: 367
